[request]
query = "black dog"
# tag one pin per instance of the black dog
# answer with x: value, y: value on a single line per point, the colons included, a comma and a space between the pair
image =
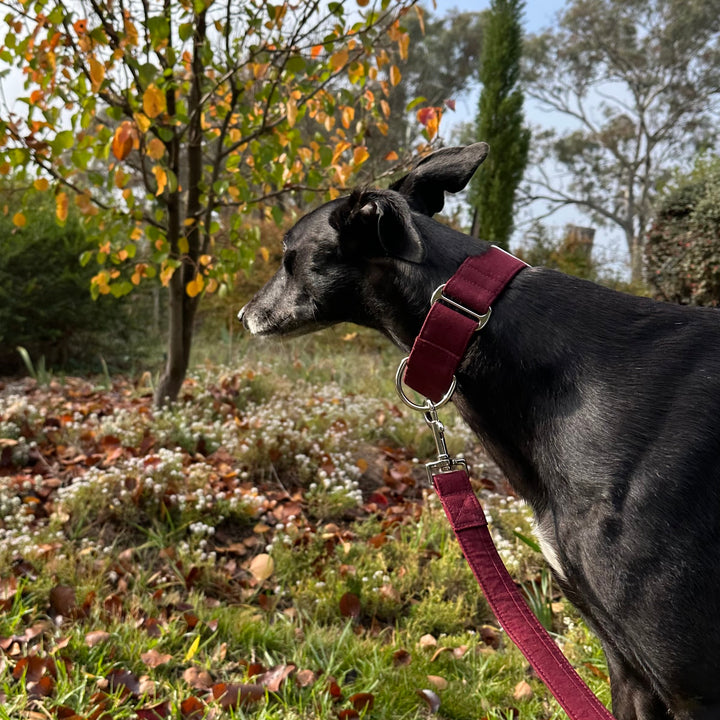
x: 602, y: 409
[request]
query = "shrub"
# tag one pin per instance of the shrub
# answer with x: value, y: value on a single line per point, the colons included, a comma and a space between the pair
x: 45, y: 303
x: 682, y: 251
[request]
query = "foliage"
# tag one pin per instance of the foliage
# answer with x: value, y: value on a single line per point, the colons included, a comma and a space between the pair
x: 438, y: 63
x: 500, y: 123
x: 540, y: 249
x: 682, y: 249
x: 636, y: 84
x: 182, y: 119
x: 45, y: 303
x: 169, y: 562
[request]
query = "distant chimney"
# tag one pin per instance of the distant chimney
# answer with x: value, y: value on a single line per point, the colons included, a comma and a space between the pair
x: 579, y: 240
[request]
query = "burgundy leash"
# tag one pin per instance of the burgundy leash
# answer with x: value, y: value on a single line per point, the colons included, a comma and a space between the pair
x: 460, y: 308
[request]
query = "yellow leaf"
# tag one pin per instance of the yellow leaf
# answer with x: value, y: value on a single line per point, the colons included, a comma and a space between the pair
x: 205, y: 259
x: 142, y: 121
x: 395, y: 75
x: 155, y: 148
x: 338, y: 59
x: 97, y: 74
x: 265, y: 253
x: 183, y: 245
x: 360, y: 155
x: 262, y: 567
x: 61, y: 207
x: 190, y: 654
x: 154, y: 101
x: 212, y: 285
x: 136, y: 234
x: 194, y: 287
x: 41, y: 184
x: 19, y: 219
x: 161, y: 178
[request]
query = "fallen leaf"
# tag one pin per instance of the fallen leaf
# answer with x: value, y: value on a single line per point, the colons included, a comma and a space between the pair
x: 350, y: 605
x: 431, y: 698
x: 305, y: 678
x: 62, y: 600
x: 274, y: 678
x: 427, y: 641
x: 95, y: 637
x: 198, y: 679
x: 152, y: 658
x: 362, y: 702
x: 523, y: 691
x: 156, y: 712
x: 231, y: 695
x: 436, y: 681
x: 401, y: 658
x: 262, y: 567
x: 192, y: 708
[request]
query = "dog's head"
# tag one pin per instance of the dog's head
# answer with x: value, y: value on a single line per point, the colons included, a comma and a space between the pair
x: 342, y: 261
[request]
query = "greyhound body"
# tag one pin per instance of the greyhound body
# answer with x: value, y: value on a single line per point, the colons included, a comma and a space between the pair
x: 601, y: 408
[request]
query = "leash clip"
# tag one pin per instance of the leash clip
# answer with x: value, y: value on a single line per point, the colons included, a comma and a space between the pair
x: 444, y: 463
x: 438, y: 296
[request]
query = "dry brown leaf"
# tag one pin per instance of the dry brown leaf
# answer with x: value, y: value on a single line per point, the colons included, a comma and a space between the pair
x: 152, y: 658
x: 523, y: 691
x: 95, y: 637
x: 427, y: 641
x: 438, y: 682
x: 197, y: 678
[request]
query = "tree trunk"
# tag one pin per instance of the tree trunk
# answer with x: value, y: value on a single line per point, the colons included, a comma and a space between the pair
x: 636, y: 260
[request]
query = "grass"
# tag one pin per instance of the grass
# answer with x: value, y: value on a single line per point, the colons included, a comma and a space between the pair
x: 264, y: 548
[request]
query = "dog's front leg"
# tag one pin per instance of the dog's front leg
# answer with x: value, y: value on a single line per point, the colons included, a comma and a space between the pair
x: 633, y: 697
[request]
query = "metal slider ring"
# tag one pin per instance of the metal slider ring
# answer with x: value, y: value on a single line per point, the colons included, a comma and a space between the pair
x: 429, y: 404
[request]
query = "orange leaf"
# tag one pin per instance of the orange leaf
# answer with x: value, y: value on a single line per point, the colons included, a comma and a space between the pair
x: 403, y: 45
x: 61, y: 207
x: 154, y: 101
x: 123, y: 140
x: 161, y: 178
x: 265, y: 253
x: 41, y: 184
x: 80, y: 26
x: 317, y: 49
x: 360, y: 155
x: 338, y: 59
x: 395, y: 75
x: 194, y: 287
x: 156, y: 148
x: 19, y: 219
x: 391, y: 156
x: 348, y: 114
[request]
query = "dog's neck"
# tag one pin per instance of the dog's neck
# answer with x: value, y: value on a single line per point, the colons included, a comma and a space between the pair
x: 408, y: 297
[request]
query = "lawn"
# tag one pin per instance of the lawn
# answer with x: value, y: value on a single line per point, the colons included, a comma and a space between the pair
x: 264, y: 548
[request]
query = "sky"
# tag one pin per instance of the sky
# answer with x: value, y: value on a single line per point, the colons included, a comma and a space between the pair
x: 539, y: 15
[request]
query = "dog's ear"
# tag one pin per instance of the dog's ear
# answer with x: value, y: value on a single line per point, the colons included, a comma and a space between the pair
x: 446, y: 170
x: 378, y: 223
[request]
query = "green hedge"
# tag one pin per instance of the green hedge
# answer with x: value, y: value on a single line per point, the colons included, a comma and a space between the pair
x: 45, y: 303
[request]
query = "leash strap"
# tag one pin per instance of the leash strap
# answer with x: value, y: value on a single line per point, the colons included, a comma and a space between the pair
x: 460, y: 308
x: 468, y: 521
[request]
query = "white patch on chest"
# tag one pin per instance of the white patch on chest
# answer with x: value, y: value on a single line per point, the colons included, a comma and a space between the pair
x: 545, y: 534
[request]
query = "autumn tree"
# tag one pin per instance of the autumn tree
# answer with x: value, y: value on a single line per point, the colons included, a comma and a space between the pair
x: 176, y: 120
x: 437, y: 63
x: 633, y: 88
x: 500, y: 123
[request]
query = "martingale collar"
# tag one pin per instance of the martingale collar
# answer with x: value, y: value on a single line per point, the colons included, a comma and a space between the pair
x: 459, y: 308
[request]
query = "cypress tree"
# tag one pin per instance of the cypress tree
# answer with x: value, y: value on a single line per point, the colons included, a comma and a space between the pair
x: 500, y: 124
